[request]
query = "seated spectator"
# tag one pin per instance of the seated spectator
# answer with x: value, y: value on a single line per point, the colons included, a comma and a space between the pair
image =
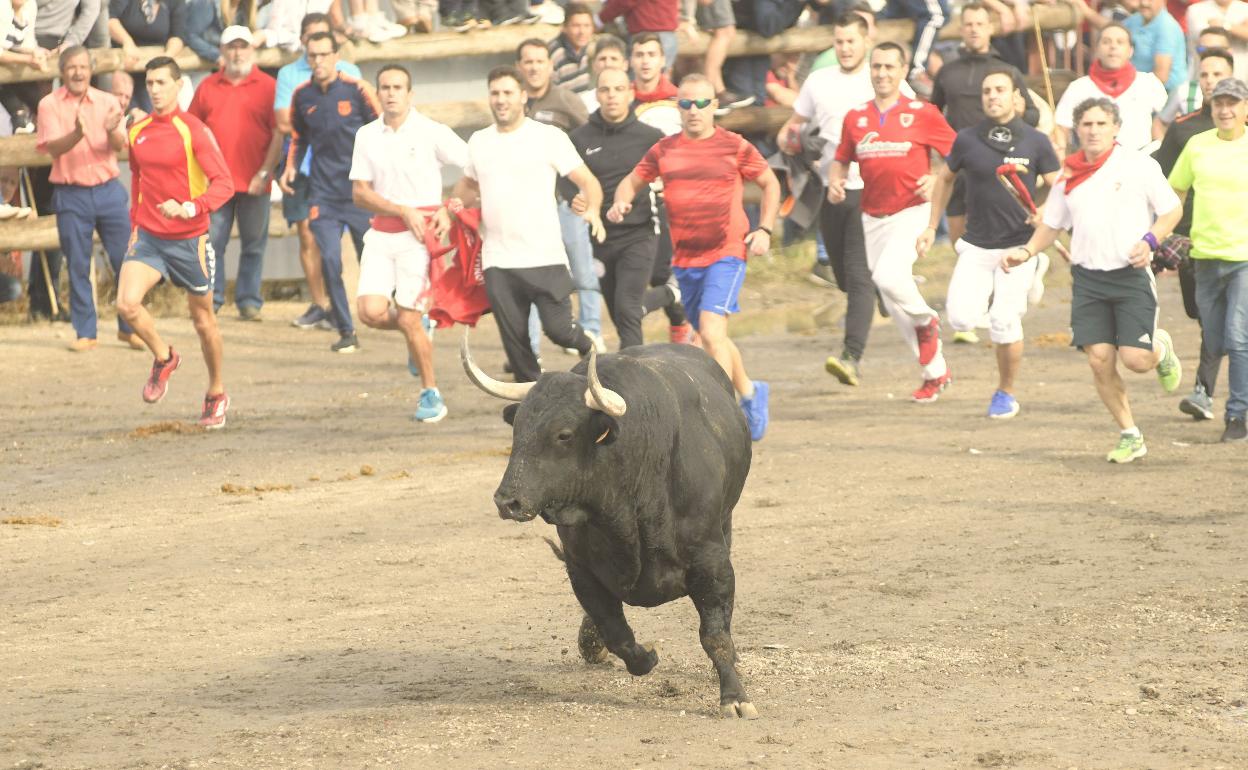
x: 657, y: 17
x: 415, y: 15
x: 19, y: 47
x: 716, y: 18
x: 62, y: 23
x: 609, y: 52
x: 207, y: 19
x: 569, y: 53
x: 1160, y: 47
x: 134, y: 23
x: 1229, y: 15
x: 747, y: 75
x: 928, y: 16
x: 782, y: 85
x: 1015, y: 25
x: 1189, y: 97
x: 369, y: 23
x: 284, y: 28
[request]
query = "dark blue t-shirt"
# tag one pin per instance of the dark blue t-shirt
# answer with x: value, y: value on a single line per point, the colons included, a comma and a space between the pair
x: 326, y: 120
x: 994, y: 220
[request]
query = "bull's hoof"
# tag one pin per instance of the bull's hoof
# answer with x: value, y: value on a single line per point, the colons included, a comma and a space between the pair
x: 643, y: 664
x: 738, y: 708
x: 590, y: 643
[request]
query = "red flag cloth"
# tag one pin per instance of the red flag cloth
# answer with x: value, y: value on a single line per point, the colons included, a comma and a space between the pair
x: 457, y: 291
x: 1113, y: 83
x: 1008, y: 174
x: 1077, y: 169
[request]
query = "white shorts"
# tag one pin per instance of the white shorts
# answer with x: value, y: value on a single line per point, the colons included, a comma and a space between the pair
x: 395, y: 265
x: 977, y: 276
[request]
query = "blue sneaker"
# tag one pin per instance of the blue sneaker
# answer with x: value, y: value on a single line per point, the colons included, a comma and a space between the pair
x: 1003, y: 406
x: 431, y: 408
x: 756, y: 414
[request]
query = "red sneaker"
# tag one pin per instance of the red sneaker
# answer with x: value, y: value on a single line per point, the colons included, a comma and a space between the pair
x: 929, y: 341
x: 158, y: 383
x: 214, y: 411
x: 930, y: 390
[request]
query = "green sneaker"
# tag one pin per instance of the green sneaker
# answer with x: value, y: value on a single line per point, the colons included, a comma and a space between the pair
x: 1169, y: 368
x: 1129, y: 448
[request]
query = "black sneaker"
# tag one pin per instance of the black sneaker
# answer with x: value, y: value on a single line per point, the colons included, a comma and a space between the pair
x: 1235, y: 430
x: 249, y: 313
x: 821, y: 275
x: 311, y: 317
x: 347, y: 343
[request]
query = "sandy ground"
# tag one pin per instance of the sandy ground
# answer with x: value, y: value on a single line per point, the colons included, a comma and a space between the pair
x: 325, y: 584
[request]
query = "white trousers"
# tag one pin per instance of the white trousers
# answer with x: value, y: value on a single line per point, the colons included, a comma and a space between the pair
x: 977, y: 277
x: 891, y: 257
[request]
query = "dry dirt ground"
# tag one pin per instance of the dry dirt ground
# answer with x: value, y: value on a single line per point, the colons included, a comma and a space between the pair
x: 325, y: 584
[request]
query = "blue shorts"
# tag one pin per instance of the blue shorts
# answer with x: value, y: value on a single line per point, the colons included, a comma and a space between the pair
x: 188, y: 263
x: 713, y: 288
x: 295, y: 207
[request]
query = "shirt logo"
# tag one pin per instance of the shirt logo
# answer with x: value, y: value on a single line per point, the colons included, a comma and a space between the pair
x: 907, y: 120
x: 344, y: 108
x: 593, y: 150
x: 140, y: 140
x: 1001, y: 134
x: 870, y: 146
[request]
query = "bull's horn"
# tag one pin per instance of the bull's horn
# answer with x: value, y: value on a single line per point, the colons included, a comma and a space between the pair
x: 511, y: 391
x: 603, y: 399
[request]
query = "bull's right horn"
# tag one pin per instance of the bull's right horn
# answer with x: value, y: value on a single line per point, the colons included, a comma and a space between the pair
x: 511, y: 391
x: 600, y: 398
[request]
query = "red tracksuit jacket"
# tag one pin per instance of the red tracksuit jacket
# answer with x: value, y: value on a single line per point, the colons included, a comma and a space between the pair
x: 175, y: 157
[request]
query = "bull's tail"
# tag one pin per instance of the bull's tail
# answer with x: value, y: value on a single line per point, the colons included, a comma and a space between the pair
x: 555, y: 547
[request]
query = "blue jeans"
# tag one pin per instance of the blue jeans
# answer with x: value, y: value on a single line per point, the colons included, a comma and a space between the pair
x: 581, y: 261
x: 929, y: 16
x: 1222, y: 297
x: 327, y: 220
x: 252, y: 214
x: 79, y: 212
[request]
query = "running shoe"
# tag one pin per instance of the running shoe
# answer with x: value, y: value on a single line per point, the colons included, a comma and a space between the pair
x: 347, y: 343
x: 821, y: 275
x: 844, y: 369
x: 756, y: 410
x: 930, y: 390
x: 1169, y: 368
x: 158, y: 382
x: 83, y: 344
x: 966, y: 338
x: 1199, y: 404
x: 929, y: 340
x: 249, y: 313
x: 213, y: 416
x: 1130, y: 447
x: 311, y: 317
x: 729, y: 101
x: 432, y: 408
x: 1035, y: 292
x: 1003, y: 406
x: 1235, y: 430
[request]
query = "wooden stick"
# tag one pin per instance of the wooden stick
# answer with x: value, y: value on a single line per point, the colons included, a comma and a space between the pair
x: 43, y: 255
x: 1044, y: 63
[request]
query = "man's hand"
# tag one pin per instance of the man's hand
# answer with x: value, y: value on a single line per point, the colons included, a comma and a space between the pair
x: 415, y: 221
x: 597, y: 230
x: 287, y: 180
x: 925, y: 241
x: 171, y: 209
x: 925, y: 186
x: 256, y: 185
x: 131, y: 54
x: 39, y: 57
x: 1140, y: 255
x: 836, y: 191
x: 80, y: 123
x: 112, y: 121
x: 759, y: 243
x: 1014, y: 257
x: 454, y: 205
x: 442, y: 222
x: 618, y: 211
x: 688, y: 29
x: 790, y: 140
x: 578, y: 204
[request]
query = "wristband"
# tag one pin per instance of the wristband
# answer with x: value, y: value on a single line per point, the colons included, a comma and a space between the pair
x: 1150, y: 239
x: 1028, y: 251
x: 764, y: 229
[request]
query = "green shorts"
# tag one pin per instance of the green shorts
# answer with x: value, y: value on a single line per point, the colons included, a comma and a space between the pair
x: 1118, y: 307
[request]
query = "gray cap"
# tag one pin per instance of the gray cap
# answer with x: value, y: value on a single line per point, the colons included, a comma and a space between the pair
x: 1232, y: 87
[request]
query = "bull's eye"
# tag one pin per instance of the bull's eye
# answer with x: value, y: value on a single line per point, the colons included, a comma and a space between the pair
x: 564, y: 436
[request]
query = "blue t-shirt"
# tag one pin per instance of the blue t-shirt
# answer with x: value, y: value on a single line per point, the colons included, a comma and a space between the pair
x: 295, y: 74
x: 994, y: 220
x: 1164, y: 36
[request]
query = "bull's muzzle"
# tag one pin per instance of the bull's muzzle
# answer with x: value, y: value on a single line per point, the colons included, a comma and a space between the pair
x: 510, y: 507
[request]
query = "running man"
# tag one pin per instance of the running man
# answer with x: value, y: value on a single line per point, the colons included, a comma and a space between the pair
x: 178, y: 177
x: 995, y: 222
x: 892, y: 140
x: 1119, y: 207
x: 396, y: 172
x: 702, y: 169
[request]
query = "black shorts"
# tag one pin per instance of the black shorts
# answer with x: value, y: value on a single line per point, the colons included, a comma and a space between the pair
x: 957, y: 201
x: 295, y: 208
x: 1118, y: 307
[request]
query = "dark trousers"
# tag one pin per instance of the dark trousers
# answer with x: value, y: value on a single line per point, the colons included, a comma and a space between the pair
x: 661, y: 274
x: 840, y: 224
x: 81, y: 211
x: 326, y: 223
x: 512, y: 292
x: 1210, y: 359
x: 628, y: 260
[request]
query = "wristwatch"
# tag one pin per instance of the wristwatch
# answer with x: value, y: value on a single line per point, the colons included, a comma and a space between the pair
x: 264, y: 175
x: 190, y: 209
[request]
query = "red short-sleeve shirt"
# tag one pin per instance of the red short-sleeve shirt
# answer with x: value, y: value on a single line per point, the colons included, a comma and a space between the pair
x: 702, y: 188
x: 240, y: 115
x: 893, y: 150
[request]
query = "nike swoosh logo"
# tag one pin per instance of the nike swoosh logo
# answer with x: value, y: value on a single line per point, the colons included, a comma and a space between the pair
x: 591, y: 152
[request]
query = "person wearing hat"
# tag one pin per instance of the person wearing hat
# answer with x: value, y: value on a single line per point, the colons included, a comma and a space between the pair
x: 1212, y: 165
x: 236, y: 103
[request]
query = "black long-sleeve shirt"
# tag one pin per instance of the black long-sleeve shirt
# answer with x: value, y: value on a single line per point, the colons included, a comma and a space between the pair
x: 612, y: 151
x: 170, y: 20
x: 957, y: 89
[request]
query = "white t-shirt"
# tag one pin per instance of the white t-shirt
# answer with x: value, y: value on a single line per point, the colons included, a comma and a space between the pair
x: 1145, y: 98
x: 517, y: 172
x: 1207, y: 13
x: 1112, y: 209
x: 825, y: 98
x: 405, y: 166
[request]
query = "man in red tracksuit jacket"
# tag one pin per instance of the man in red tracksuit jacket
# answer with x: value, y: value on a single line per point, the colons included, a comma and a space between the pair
x: 178, y: 177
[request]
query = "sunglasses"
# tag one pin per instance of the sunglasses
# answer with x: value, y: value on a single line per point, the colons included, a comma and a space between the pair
x: 686, y: 104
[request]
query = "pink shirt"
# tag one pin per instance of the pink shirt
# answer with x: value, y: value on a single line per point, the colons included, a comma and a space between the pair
x: 92, y: 161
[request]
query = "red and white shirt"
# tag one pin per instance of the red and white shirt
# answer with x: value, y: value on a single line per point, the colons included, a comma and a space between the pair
x: 893, y: 149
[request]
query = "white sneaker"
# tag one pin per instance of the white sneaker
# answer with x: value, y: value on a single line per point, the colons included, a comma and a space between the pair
x: 1036, y: 292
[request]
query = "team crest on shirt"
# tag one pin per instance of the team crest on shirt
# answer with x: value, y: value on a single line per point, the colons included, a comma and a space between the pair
x: 344, y: 108
x: 907, y: 119
x: 862, y: 122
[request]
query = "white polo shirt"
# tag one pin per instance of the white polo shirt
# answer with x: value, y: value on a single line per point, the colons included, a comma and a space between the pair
x: 517, y: 172
x: 1144, y: 98
x: 825, y: 98
x: 1111, y: 210
x: 405, y: 165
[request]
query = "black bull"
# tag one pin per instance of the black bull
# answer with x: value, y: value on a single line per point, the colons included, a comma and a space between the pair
x: 638, y: 459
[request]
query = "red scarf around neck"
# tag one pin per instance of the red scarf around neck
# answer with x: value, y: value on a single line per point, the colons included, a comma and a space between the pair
x: 1112, y: 82
x: 1077, y: 169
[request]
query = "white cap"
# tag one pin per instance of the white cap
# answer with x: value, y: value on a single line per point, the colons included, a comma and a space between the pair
x: 236, y: 32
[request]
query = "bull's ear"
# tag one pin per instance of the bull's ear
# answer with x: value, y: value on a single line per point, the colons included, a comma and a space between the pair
x: 606, y: 429
x: 509, y: 413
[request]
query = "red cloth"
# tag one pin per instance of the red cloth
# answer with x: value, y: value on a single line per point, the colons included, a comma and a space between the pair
x: 1077, y: 169
x: 702, y: 187
x: 1008, y: 174
x: 457, y: 291
x: 175, y: 157
x: 240, y: 116
x: 387, y: 224
x: 664, y: 90
x: 643, y: 15
x: 893, y: 150
x: 1112, y: 82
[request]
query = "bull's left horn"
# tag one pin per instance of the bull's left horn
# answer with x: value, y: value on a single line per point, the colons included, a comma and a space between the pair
x: 511, y: 391
x: 603, y: 399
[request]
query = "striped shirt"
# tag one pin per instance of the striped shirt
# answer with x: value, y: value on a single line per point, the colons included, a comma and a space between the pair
x: 571, y: 68
x: 175, y: 157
